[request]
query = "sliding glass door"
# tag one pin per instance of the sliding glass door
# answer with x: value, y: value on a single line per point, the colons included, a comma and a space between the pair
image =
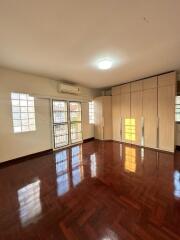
x: 67, y: 126
x: 60, y: 123
x: 75, y: 122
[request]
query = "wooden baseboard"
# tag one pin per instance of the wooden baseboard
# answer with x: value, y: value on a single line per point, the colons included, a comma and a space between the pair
x: 88, y: 140
x: 177, y: 148
x: 24, y: 158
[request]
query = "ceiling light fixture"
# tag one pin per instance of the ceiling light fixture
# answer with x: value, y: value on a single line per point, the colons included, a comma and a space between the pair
x: 104, y: 64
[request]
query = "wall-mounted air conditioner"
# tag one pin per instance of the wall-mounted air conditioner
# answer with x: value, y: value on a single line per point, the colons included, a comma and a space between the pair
x: 67, y: 88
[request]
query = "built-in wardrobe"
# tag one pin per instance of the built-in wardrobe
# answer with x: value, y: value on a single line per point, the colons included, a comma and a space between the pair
x: 143, y: 112
x: 103, y: 118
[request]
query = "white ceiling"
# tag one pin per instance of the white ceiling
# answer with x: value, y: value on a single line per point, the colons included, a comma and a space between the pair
x: 63, y: 39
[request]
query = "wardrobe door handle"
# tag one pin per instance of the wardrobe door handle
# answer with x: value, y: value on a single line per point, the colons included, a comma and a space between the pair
x: 142, y: 136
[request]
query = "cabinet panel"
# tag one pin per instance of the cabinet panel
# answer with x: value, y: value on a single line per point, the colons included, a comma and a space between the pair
x: 150, y: 83
x: 136, y: 116
x: 98, y: 118
x: 126, y: 88
x: 107, y: 118
x: 116, y: 117
x: 166, y: 114
x: 116, y: 90
x: 167, y: 79
x: 125, y: 116
x: 136, y: 86
x: 103, y: 118
x: 150, y: 117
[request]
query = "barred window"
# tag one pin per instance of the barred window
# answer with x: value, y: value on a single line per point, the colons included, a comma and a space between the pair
x: 177, y: 110
x: 23, y: 112
x: 91, y: 112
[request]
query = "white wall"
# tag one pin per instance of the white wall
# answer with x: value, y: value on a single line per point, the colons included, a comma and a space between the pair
x: 20, y: 144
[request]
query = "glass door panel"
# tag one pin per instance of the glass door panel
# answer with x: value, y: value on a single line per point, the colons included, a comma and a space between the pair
x: 75, y: 122
x: 66, y: 123
x: 60, y: 124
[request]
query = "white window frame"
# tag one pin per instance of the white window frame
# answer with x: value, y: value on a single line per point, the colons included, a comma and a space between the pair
x: 91, y: 112
x: 23, y: 112
x: 177, y: 106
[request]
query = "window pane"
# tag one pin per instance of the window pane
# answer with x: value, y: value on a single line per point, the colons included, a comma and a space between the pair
x: 75, y: 127
x: 16, y: 123
x: 25, y: 128
x: 60, y: 117
x: 61, y: 135
x: 60, y: 106
x: 61, y: 141
x: 21, y: 113
x: 91, y: 112
x: 75, y: 106
x: 32, y: 127
x: 16, y: 115
x: 17, y: 129
x: 76, y: 137
x: 15, y: 102
x: 60, y: 129
x: 75, y: 116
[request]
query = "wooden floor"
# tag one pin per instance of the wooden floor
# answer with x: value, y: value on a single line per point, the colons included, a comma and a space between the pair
x: 98, y: 190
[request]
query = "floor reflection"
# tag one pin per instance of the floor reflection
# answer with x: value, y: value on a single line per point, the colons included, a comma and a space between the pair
x: 142, y: 154
x: 97, y: 187
x: 177, y: 184
x: 30, y: 204
x: 63, y: 184
x: 130, y: 159
x: 93, y: 165
x: 69, y: 169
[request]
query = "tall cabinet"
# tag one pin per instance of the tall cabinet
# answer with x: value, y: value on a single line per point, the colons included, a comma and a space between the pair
x: 136, y: 112
x: 103, y: 118
x: 143, y: 112
x: 150, y: 112
x: 116, y: 114
x: 166, y: 111
x: 125, y: 113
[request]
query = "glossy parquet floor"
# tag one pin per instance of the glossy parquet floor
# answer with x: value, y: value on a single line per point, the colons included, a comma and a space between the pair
x: 98, y: 190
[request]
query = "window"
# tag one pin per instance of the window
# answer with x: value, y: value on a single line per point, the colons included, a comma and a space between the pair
x: 91, y: 112
x: 177, y: 117
x: 23, y: 112
x: 130, y: 129
x: 67, y: 124
x: 75, y: 122
x: 60, y: 123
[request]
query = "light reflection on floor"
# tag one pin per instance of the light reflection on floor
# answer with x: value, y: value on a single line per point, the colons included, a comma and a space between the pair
x: 130, y: 159
x: 69, y: 169
x: 93, y: 165
x: 30, y: 203
x: 177, y: 184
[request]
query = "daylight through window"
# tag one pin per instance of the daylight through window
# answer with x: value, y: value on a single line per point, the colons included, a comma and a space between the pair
x: 23, y: 112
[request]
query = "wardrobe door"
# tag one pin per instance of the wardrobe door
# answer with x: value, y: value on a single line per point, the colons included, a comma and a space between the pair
x: 107, y: 118
x: 150, y: 112
x: 125, y: 113
x: 98, y: 118
x: 136, y: 112
x: 116, y: 118
x: 166, y: 111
